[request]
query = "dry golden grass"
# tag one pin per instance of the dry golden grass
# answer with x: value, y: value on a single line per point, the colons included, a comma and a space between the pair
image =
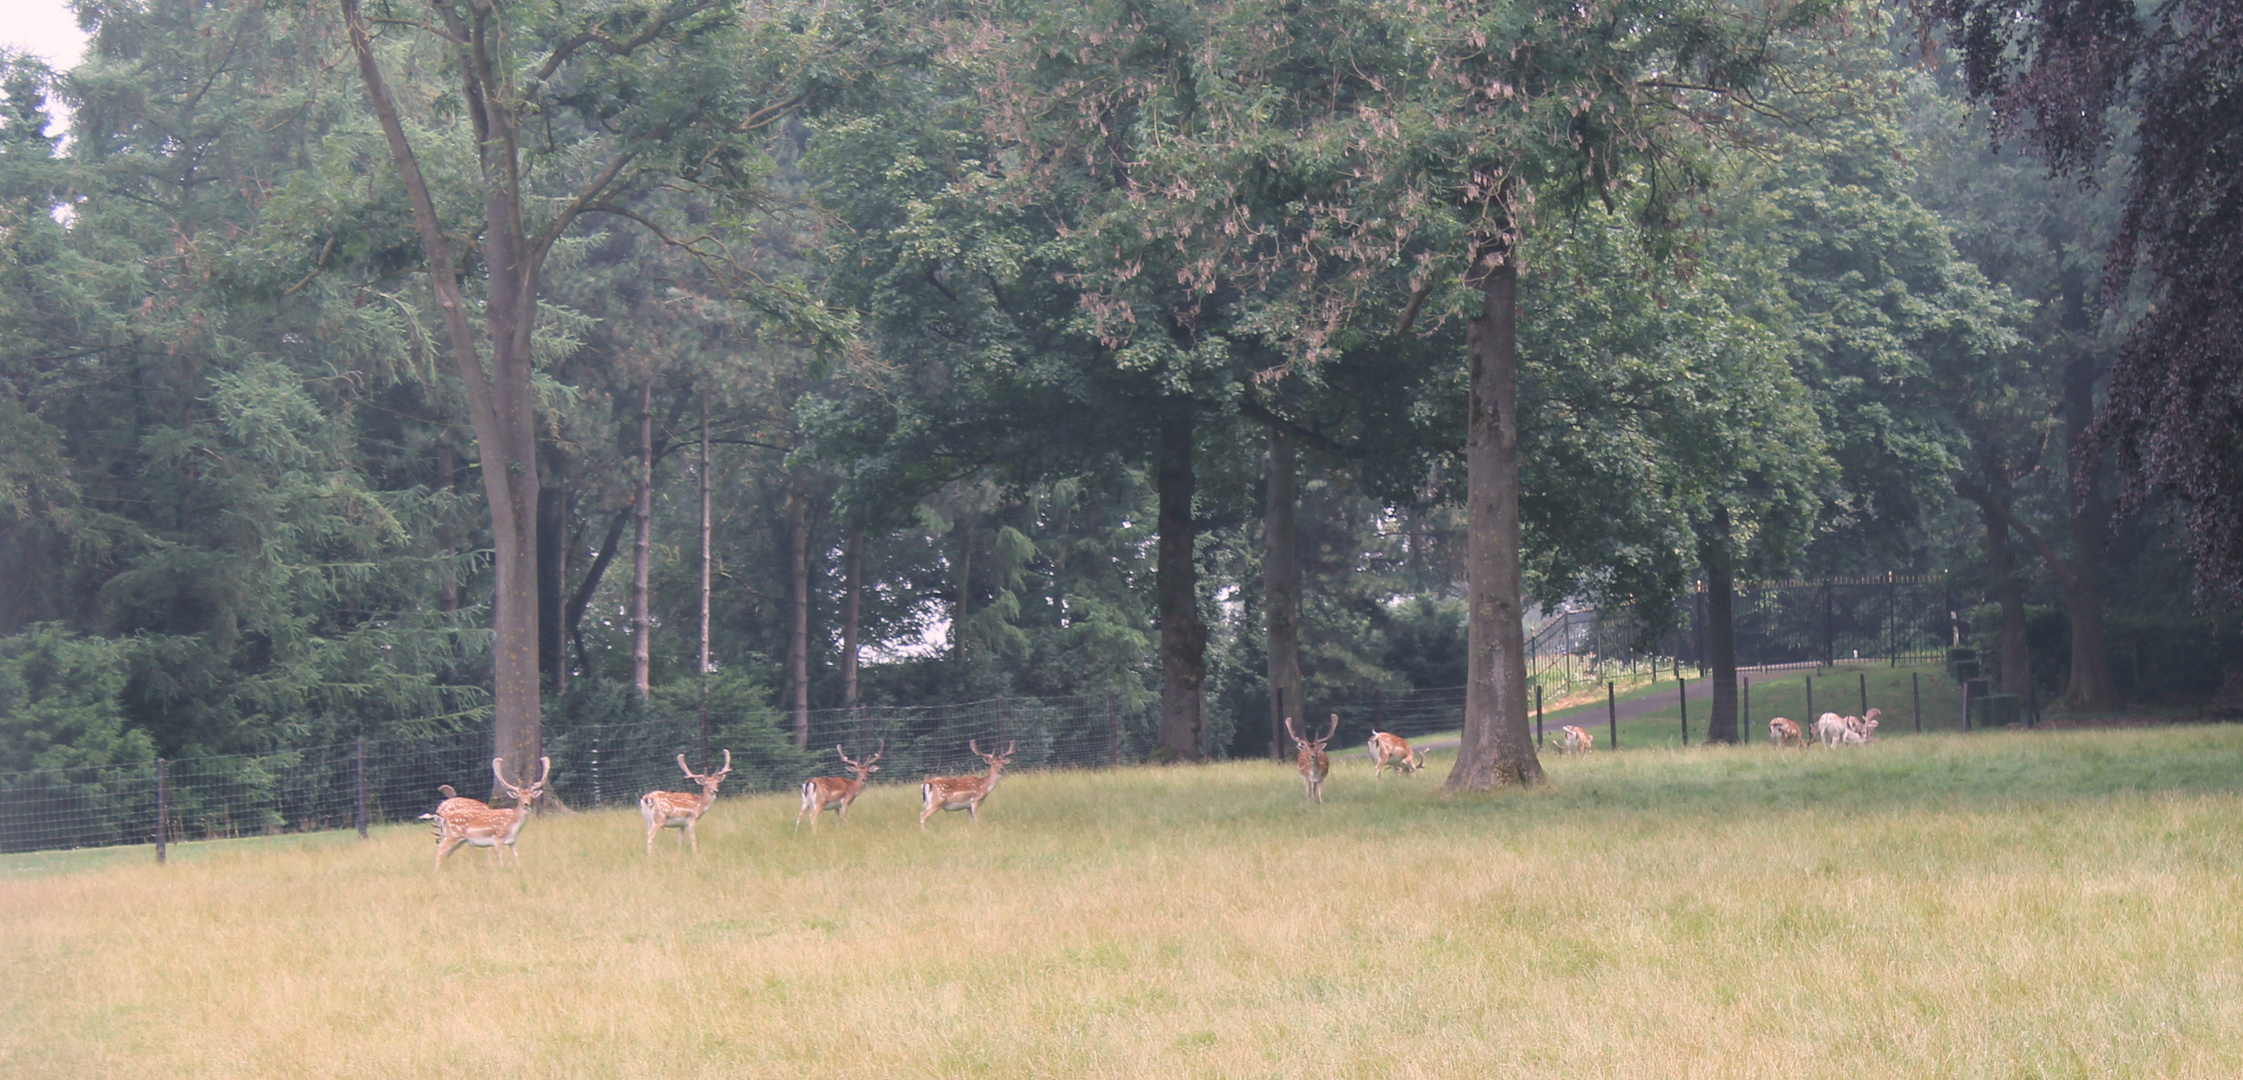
x: 2007, y: 905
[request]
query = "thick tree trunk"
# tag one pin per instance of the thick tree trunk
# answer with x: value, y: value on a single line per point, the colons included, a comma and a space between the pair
x: 2091, y: 686
x: 1183, y: 636
x: 642, y: 550
x: 1718, y: 560
x: 798, y: 633
x: 2009, y: 594
x: 1497, y: 747
x: 852, y: 603
x: 1281, y: 588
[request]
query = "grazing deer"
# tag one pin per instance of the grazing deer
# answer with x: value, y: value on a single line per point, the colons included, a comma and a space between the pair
x: 467, y: 821
x: 678, y: 810
x: 1577, y: 741
x: 963, y: 792
x: 1782, y: 732
x: 1310, y: 759
x: 838, y: 792
x: 1830, y: 729
x: 1386, y: 747
x: 1861, y: 729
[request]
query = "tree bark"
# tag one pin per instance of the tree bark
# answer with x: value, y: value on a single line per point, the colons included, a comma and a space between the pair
x: 1281, y: 587
x: 2091, y: 686
x: 798, y: 634
x: 1497, y: 746
x: 852, y: 602
x: 642, y: 549
x: 1718, y: 559
x: 2009, y: 594
x: 1183, y: 636
x: 552, y: 576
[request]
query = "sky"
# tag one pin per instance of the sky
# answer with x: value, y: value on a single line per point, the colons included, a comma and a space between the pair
x: 45, y: 28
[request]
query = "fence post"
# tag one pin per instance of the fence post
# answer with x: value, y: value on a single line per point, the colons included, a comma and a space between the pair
x: 1682, y: 694
x: 1744, y: 722
x: 361, y: 768
x: 1966, y: 705
x: 1113, y: 728
x: 1001, y: 718
x: 1916, y: 692
x: 1538, y: 715
x: 1810, y: 718
x: 1611, y: 717
x: 1864, y: 693
x: 163, y: 808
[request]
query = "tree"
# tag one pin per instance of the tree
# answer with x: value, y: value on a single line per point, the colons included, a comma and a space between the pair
x: 568, y: 113
x: 2076, y: 80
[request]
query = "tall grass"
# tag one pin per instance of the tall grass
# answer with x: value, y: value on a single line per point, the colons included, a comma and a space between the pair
x: 1998, y: 905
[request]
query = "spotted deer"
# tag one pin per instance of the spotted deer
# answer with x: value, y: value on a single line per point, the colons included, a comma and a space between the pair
x: 467, y: 821
x: 1861, y: 729
x: 1577, y: 740
x: 1309, y: 757
x: 679, y: 810
x: 1782, y: 732
x: 1388, y: 748
x: 963, y: 792
x: 820, y: 792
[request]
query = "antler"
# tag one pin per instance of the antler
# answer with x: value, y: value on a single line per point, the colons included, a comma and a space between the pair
x: 1333, y: 730
x: 688, y: 769
x: 727, y: 762
x: 1296, y: 736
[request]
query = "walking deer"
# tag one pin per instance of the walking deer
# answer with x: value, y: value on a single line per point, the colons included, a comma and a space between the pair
x: 678, y: 810
x: 1310, y: 759
x: 468, y: 821
x: 1782, y: 732
x: 838, y: 792
x: 1390, y: 748
x: 963, y: 792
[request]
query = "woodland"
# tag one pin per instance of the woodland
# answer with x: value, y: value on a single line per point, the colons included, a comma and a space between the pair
x: 398, y: 367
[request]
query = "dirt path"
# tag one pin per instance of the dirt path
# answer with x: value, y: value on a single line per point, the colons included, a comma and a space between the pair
x: 1594, y: 713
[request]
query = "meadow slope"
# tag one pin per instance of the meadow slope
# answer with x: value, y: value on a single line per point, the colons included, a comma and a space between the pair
x: 2010, y: 904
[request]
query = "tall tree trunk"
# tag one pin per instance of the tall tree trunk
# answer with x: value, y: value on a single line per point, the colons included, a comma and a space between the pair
x: 552, y: 575
x: 642, y: 549
x: 1281, y: 588
x: 1497, y: 747
x: 798, y: 634
x: 852, y: 602
x: 701, y: 662
x: 2091, y: 686
x: 1183, y: 637
x: 1718, y: 560
x: 448, y: 585
x: 2009, y: 594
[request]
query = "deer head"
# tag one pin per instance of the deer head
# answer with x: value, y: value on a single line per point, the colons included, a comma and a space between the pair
x: 708, y: 783
x: 864, y: 769
x: 997, y: 762
x: 523, y: 796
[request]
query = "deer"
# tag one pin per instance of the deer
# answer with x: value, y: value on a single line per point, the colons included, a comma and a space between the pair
x: 1387, y: 747
x: 1310, y: 759
x: 678, y: 810
x: 1577, y: 740
x: 1830, y: 729
x: 838, y: 792
x: 963, y: 792
x: 1782, y: 732
x: 468, y: 821
x: 1861, y: 729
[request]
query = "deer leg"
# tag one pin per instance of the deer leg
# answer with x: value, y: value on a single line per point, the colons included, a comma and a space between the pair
x: 690, y: 835
x: 444, y: 846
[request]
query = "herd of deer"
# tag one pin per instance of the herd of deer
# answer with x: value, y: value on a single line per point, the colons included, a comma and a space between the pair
x: 475, y: 823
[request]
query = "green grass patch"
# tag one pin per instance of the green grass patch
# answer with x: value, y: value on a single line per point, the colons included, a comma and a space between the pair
x: 2006, y: 904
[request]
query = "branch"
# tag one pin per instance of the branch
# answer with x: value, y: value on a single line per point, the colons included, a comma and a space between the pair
x: 567, y: 49
x: 1996, y: 507
x: 1257, y: 411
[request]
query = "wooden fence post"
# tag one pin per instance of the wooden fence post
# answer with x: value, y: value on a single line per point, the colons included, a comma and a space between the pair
x: 1864, y: 693
x: 1682, y: 694
x: 1744, y: 722
x: 361, y: 770
x: 1916, y: 691
x: 1810, y: 717
x: 1612, y: 716
x: 163, y: 809
x: 1537, y: 716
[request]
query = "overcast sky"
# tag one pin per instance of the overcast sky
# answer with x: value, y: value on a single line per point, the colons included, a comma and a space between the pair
x: 45, y: 28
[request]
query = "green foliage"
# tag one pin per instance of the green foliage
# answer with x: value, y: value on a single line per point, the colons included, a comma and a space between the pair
x: 60, y: 702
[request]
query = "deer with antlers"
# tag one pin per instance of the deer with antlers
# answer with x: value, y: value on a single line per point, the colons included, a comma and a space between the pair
x: 1576, y: 740
x: 820, y: 792
x: 1309, y: 757
x: 963, y: 792
x: 678, y: 810
x: 1391, y: 749
x: 468, y: 821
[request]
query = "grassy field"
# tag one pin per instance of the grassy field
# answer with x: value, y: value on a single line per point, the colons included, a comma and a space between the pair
x: 2005, y: 905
